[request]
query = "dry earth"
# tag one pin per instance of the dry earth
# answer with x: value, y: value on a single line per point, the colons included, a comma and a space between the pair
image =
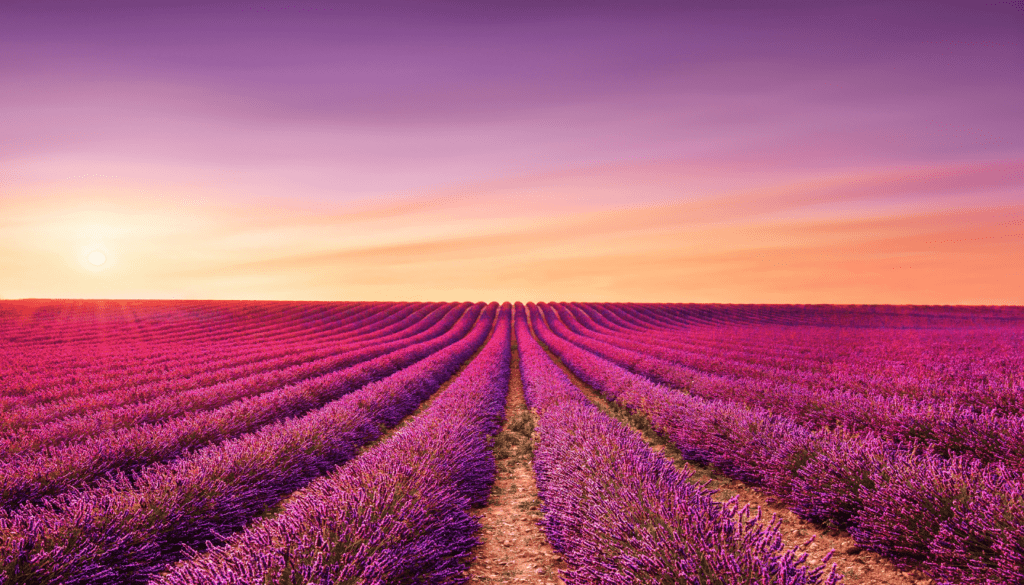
x: 513, y: 547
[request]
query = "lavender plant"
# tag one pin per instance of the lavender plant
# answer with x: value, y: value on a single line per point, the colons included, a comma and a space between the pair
x: 130, y: 528
x: 397, y: 514
x: 31, y: 477
x: 621, y: 514
x: 874, y: 488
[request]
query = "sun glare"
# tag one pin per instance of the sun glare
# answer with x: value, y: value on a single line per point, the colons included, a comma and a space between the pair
x: 97, y: 258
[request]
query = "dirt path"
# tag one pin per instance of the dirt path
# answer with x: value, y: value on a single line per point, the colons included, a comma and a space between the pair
x: 857, y: 566
x: 513, y: 547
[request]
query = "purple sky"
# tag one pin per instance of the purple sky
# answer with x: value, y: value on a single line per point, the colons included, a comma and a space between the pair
x: 302, y: 109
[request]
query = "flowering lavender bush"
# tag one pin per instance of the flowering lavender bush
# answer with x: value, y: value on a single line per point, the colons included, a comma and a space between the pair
x: 945, y: 426
x: 130, y: 528
x: 54, y: 471
x: 895, y: 498
x: 262, y: 377
x: 397, y: 514
x: 621, y: 514
x: 37, y: 380
x: 983, y: 542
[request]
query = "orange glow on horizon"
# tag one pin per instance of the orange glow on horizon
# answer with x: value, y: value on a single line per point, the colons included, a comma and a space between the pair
x: 918, y: 236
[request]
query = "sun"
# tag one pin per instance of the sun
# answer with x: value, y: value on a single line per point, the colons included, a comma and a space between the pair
x: 96, y: 258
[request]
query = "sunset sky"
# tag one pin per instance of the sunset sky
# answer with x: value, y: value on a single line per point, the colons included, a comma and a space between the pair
x: 776, y: 151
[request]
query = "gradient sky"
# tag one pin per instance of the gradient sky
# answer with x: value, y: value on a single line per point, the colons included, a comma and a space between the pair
x: 712, y: 151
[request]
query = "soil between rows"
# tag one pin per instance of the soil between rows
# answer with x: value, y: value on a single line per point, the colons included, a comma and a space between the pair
x: 858, y: 567
x: 513, y: 548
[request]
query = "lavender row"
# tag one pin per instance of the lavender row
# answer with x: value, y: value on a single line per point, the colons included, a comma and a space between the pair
x: 947, y: 425
x: 397, y: 514
x: 620, y: 514
x: 53, y: 471
x: 259, y: 364
x: 212, y: 363
x: 880, y: 316
x: 140, y: 361
x: 948, y: 429
x: 927, y: 363
x: 50, y: 321
x: 626, y: 331
x: 131, y: 528
x: 168, y: 321
x: 967, y: 366
x: 130, y: 350
x: 162, y: 406
x: 894, y: 499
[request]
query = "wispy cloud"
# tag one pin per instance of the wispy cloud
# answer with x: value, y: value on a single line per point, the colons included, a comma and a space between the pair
x: 871, y: 235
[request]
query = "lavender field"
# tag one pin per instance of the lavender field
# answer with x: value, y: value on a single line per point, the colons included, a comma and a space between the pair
x: 175, y: 442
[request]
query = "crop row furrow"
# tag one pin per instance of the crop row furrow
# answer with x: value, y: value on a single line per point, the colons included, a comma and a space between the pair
x: 53, y: 471
x: 130, y: 528
x: 202, y: 338
x: 915, y: 507
x: 946, y: 428
x: 396, y: 514
x: 213, y: 365
x: 621, y: 514
x: 157, y: 404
